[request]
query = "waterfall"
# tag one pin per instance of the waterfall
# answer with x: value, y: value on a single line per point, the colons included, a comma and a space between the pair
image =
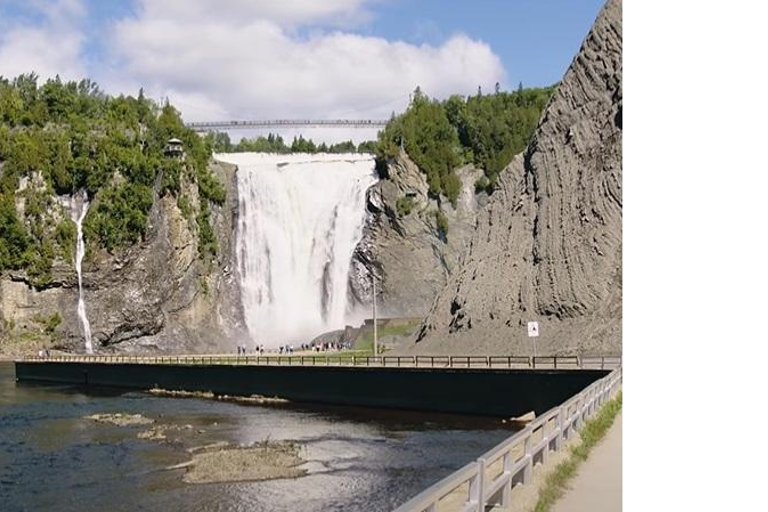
x: 79, y: 210
x: 301, y: 217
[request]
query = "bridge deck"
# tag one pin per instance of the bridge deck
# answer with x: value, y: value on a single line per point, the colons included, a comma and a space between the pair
x: 352, y: 360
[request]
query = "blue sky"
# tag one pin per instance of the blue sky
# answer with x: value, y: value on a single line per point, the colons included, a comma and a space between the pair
x: 231, y: 59
x: 535, y: 39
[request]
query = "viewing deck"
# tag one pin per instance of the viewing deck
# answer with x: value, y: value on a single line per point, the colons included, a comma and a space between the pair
x: 501, y: 386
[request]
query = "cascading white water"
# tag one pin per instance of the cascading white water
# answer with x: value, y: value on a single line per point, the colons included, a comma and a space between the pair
x: 79, y: 210
x: 301, y: 217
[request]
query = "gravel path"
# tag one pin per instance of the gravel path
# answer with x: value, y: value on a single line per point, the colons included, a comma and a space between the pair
x: 597, y: 486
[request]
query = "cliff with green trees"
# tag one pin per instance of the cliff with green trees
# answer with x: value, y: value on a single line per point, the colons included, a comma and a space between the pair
x: 439, y: 162
x: 483, y: 130
x: 58, y: 139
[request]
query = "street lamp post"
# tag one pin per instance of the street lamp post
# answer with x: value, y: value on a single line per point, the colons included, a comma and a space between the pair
x: 375, y: 329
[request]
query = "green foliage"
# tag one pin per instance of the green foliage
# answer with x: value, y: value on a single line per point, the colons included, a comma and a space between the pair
x: 208, y: 243
x: 171, y: 182
x: 66, y: 238
x: 404, y: 206
x: 484, y: 130
x: 219, y: 142
x: 52, y: 323
x: 302, y: 145
x: 270, y: 144
x: 428, y: 137
x: 203, y: 285
x: 482, y: 184
x: 211, y: 188
x: 368, y: 146
x: 275, y: 144
x: 451, y: 185
x: 120, y: 217
x: 76, y: 138
x: 364, y: 344
x: 185, y: 207
x: 441, y: 221
x: 13, y: 237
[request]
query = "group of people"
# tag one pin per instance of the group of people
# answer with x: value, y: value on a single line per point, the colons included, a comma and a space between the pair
x: 304, y: 347
x: 242, y: 351
x: 332, y: 345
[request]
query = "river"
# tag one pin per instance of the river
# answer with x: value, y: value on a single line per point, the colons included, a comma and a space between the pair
x: 52, y: 458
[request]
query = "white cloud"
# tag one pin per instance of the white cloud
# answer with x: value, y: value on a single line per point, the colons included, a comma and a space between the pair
x: 239, y: 59
x: 49, y: 48
x: 243, y: 12
x: 249, y: 61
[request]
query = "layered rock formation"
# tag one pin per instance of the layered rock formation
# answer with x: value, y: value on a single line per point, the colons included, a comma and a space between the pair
x: 157, y: 294
x: 548, y: 245
x: 403, y: 243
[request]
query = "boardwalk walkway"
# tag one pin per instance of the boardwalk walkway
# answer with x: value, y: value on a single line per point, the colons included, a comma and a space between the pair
x: 597, y: 486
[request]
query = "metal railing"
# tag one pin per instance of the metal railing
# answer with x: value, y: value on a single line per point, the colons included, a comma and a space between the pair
x: 456, y: 362
x: 278, y: 123
x: 490, y: 479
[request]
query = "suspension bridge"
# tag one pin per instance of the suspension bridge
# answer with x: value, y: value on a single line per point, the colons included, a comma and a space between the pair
x: 207, y: 126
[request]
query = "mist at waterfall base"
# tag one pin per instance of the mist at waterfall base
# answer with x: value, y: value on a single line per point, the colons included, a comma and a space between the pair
x: 300, y: 218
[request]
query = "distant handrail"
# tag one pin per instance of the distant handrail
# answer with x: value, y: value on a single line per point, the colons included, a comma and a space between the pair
x: 548, y: 432
x: 342, y: 359
x: 273, y: 123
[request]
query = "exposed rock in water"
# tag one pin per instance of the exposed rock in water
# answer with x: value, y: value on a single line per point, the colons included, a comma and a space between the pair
x: 245, y: 400
x: 267, y: 461
x: 121, y: 419
x: 411, y: 257
x: 157, y: 294
x: 548, y: 245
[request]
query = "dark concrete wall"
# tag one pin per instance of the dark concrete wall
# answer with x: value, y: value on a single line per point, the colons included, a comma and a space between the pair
x: 501, y: 393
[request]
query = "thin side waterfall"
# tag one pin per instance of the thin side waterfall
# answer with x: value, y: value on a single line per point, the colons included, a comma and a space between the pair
x: 79, y: 210
x: 301, y: 217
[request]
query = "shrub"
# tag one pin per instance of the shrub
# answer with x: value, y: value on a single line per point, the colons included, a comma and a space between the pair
x: 208, y: 243
x: 210, y: 187
x: 404, y: 206
x: 185, y: 207
x: 441, y: 222
x: 52, y: 323
x: 482, y: 184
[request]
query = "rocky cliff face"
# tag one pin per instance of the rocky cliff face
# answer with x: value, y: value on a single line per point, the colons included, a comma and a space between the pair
x: 403, y: 242
x: 157, y: 294
x: 548, y: 245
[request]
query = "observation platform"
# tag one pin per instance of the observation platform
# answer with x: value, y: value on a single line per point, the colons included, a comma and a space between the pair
x: 499, y: 386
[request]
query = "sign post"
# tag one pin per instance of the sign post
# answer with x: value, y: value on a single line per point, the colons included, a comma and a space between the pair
x: 533, y: 332
x: 375, y: 330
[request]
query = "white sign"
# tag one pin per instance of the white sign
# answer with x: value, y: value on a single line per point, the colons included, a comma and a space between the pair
x: 533, y: 329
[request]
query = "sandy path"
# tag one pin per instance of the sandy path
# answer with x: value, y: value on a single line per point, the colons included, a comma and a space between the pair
x: 597, y: 486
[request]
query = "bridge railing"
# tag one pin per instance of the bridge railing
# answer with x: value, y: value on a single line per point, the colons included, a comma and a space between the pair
x: 457, y: 362
x: 276, y: 123
x: 490, y: 479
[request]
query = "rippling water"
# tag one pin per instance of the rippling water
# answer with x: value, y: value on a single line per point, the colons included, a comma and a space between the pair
x: 52, y: 459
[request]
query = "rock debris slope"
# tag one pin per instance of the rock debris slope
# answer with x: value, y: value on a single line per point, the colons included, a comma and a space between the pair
x: 548, y: 245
